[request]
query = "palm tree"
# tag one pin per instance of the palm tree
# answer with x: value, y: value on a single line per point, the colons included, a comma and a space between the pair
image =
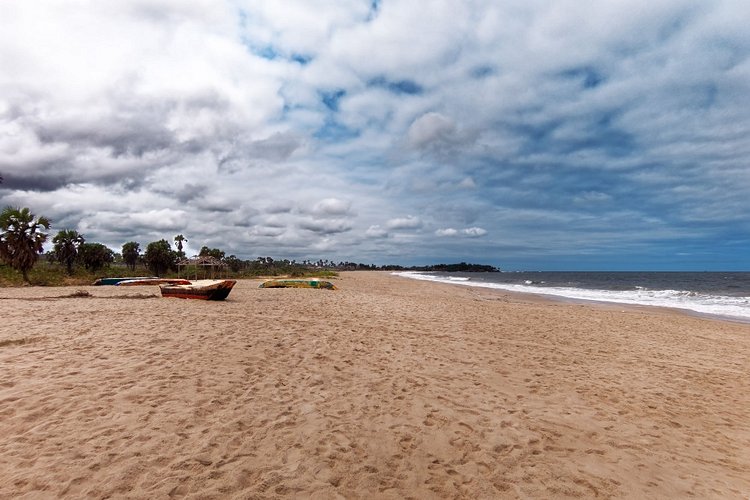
x: 21, y: 239
x: 130, y: 253
x: 67, y: 242
x: 178, y: 240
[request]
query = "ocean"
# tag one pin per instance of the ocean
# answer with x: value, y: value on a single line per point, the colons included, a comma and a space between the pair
x: 726, y: 294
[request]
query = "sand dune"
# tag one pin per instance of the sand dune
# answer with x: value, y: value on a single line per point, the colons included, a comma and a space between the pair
x: 385, y: 388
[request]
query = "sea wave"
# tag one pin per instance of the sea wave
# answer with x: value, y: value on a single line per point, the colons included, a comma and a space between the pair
x: 737, y: 308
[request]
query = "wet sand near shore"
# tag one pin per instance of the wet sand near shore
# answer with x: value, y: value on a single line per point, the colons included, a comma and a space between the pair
x: 384, y: 388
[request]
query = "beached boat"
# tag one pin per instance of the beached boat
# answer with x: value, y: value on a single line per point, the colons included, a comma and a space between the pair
x: 153, y: 281
x: 312, y: 283
x: 200, y: 289
x: 114, y: 281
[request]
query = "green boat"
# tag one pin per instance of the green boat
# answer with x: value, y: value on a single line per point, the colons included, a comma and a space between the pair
x: 298, y: 284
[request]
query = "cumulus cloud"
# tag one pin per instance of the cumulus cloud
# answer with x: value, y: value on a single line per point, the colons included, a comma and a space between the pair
x: 331, y: 207
x: 474, y: 232
x: 438, y: 135
x: 448, y: 231
x: 376, y: 231
x: 408, y: 222
x: 471, y: 232
x: 430, y: 128
x: 326, y: 226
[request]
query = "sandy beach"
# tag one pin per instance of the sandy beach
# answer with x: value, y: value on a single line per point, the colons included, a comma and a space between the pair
x: 384, y: 388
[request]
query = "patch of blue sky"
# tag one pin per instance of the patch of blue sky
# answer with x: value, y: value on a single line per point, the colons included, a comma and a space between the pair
x: 614, y: 143
x: 374, y: 10
x: 334, y: 131
x: 671, y: 27
x: 705, y: 95
x: 302, y: 59
x: 266, y: 52
x: 551, y: 186
x: 243, y: 17
x: 536, y: 137
x: 271, y: 53
x: 482, y: 71
x: 588, y: 76
x: 408, y: 87
x: 331, y: 99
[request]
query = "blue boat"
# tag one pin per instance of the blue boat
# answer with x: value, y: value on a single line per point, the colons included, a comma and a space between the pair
x: 114, y: 281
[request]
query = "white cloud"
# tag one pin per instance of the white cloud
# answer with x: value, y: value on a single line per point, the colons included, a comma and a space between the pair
x: 429, y: 128
x: 448, y: 231
x: 376, y: 231
x: 408, y: 222
x: 326, y: 226
x: 474, y: 232
x: 331, y: 207
x: 471, y: 232
x: 467, y: 183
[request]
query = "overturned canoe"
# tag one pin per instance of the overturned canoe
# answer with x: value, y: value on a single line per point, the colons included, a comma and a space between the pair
x: 153, y: 281
x: 114, y: 281
x: 200, y: 289
x: 297, y: 284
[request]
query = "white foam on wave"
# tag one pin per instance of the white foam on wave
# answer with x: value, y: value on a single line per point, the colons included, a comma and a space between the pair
x: 716, y: 305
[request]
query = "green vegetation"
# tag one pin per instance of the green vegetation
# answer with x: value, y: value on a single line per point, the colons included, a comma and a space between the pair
x: 21, y: 239
x: 160, y: 257
x: 45, y: 273
x: 95, y: 256
x: 211, y: 252
x: 67, y: 242
x: 52, y: 273
x: 131, y: 253
x: 179, y: 240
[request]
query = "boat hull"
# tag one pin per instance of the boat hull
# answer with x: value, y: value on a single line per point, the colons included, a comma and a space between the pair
x: 215, y: 290
x: 297, y: 284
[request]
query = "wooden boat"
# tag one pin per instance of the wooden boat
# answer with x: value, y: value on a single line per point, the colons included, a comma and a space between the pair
x: 200, y: 289
x: 114, y: 281
x: 153, y: 281
x: 312, y: 283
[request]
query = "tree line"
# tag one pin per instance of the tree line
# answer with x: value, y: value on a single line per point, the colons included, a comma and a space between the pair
x: 22, y: 236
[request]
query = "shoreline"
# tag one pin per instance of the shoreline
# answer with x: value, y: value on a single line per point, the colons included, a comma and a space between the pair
x: 384, y: 388
x: 575, y: 300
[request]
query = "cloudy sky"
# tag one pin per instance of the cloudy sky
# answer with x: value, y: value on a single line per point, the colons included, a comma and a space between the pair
x: 543, y: 134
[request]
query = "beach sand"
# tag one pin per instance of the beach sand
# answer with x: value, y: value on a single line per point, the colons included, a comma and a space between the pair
x: 385, y: 388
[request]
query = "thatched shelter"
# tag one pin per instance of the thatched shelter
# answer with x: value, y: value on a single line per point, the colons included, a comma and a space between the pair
x: 205, y: 265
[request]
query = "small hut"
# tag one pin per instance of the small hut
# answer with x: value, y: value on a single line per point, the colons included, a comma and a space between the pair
x: 205, y: 265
